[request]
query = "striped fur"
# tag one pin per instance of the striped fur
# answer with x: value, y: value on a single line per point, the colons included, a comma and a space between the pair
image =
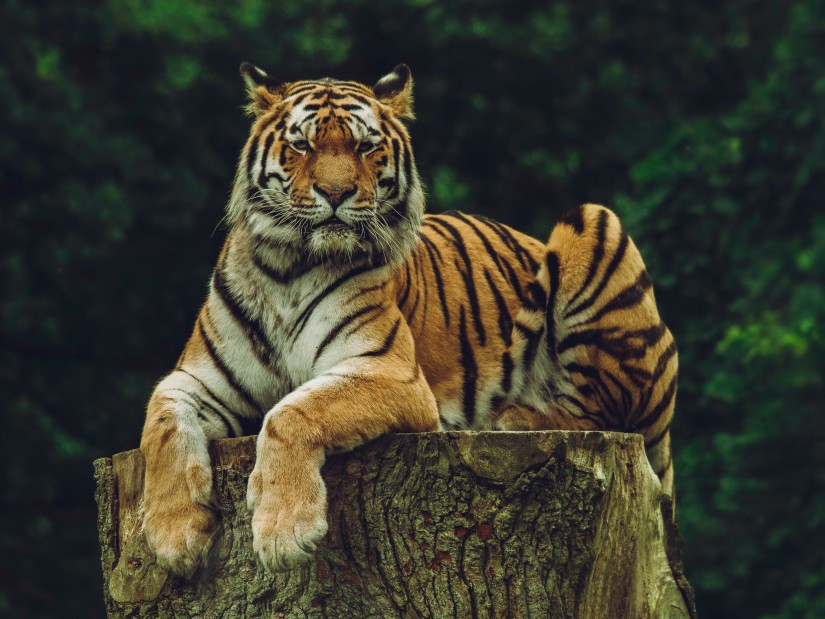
x: 338, y: 312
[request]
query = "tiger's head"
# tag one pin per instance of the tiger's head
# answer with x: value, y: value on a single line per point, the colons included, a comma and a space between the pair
x: 328, y: 171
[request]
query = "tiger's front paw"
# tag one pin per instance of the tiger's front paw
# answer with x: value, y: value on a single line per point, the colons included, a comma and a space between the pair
x: 284, y: 538
x: 289, y: 516
x: 179, y: 520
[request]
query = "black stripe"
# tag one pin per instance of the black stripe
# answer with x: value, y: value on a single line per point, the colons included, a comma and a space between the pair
x: 439, y: 282
x: 515, y: 285
x: 496, y: 257
x: 431, y: 222
x: 200, y: 405
x: 365, y: 291
x: 408, y: 283
x: 605, y: 279
x: 264, y: 154
x: 303, y: 88
x: 253, y: 330
x: 396, y: 148
x: 552, y: 263
x: 538, y: 298
x: 639, y: 376
x: 627, y: 397
x: 351, y: 95
x: 361, y: 122
x: 301, y: 321
x: 601, y: 339
x: 433, y: 248
x: 505, y: 321
x: 417, y: 268
x: 467, y: 276
x: 532, y: 338
x: 424, y: 285
x: 650, y: 379
x: 388, y: 342
x: 506, y: 372
x: 654, y: 415
x: 621, y: 345
x: 347, y: 320
x: 595, y: 261
x: 408, y: 175
x: 415, y: 306
x: 369, y: 318
x: 583, y: 412
x: 251, y: 156
x: 596, y: 386
x: 661, y: 365
x: 278, y: 120
x: 276, y: 176
x: 211, y: 395
x: 468, y: 362
x: 524, y: 256
x: 658, y: 438
x: 228, y: 375
x: 574, y: 218
x: 395, y: 213
x: 654, y: 376
x: 629, y: 297
x: 203, y: 405
x: 284, y: 277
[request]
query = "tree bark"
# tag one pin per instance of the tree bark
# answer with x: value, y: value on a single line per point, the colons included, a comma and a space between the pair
x: 456, y: 524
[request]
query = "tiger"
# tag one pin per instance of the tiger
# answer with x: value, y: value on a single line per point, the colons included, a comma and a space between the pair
x: 338, y: 312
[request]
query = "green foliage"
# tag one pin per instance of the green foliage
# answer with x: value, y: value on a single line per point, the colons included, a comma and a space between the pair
x: 701, y: 123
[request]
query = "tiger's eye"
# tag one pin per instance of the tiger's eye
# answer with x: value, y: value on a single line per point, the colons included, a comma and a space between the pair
x: 301, y: 146
x: 365, y: 147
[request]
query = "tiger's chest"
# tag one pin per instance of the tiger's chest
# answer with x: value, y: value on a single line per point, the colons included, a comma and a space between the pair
x: 301, y: 320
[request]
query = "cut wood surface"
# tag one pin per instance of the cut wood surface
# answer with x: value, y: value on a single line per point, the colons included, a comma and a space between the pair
x: 453, y: 524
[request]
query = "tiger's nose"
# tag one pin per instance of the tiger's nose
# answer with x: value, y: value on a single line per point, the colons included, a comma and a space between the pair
x: 335, y: 194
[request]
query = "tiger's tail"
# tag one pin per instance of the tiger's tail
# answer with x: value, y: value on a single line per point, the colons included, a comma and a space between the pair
x: 593, y: 352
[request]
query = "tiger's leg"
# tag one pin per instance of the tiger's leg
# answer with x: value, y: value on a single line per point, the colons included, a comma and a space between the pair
x: 598, y: 348
x: 179, y: 513
x: 354, y: 401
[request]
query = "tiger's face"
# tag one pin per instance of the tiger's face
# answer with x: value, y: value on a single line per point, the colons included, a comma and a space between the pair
x: 328, y: 170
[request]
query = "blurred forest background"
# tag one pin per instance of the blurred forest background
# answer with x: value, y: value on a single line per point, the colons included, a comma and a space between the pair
x: 701, y: 122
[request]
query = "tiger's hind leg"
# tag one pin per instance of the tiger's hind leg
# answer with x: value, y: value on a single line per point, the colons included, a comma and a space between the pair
x: 595, y: 347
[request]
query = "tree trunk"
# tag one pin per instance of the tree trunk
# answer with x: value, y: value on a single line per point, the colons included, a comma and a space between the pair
x: 456, y: 524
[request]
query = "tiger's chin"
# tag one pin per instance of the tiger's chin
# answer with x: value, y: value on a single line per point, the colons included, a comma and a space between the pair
x: 337, y: 240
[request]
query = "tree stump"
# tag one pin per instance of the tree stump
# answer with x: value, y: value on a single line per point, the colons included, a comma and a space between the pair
x: 453, y: 524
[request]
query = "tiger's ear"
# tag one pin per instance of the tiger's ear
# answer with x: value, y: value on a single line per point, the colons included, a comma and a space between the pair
x: 263, y: 91
x: 395, y: 91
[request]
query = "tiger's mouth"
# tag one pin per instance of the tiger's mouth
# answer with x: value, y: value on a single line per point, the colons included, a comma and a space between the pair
x: 332, y: 224
x: 332, y: 236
